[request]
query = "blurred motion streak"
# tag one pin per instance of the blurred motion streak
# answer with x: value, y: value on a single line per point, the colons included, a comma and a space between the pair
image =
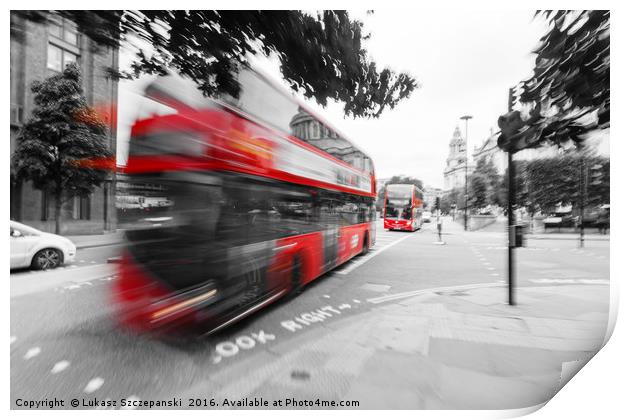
x: 230, y: 203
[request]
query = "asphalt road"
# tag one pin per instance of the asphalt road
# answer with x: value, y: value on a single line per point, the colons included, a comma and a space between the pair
x: 65, y: 343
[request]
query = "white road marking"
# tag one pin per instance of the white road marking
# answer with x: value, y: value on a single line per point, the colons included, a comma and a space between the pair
x: 13, y: 339
x: 413, y: 293
x: 60, y: 366
x: 93, y: 385
x: 571, y: 281
x: 326, y: 296
x: 356, y: 301
x: 362, y: 260
x: 495, y: 274
x: 33, y: 352
x: 490, y: 268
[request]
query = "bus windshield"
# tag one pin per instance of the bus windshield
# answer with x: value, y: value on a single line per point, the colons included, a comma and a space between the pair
x: 398, y: 202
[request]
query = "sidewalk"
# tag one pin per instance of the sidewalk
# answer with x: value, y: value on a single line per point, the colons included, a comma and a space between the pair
x: 568, y: 236
x: 91, y: 241
x: 456, y: 348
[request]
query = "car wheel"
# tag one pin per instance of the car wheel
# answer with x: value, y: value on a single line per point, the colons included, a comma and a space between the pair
x: 46, y: 259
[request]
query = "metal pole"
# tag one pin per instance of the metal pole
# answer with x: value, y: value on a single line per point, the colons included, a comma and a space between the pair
x: 466, y: 196
x: 511, y: 228
x: 466, y: 118
x: 582, y: 194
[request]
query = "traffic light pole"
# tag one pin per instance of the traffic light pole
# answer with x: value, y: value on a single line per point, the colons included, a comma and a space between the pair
x: 511, y: 228
x: 511, y: 216
x: 582, y: 196
x: 466, y: 118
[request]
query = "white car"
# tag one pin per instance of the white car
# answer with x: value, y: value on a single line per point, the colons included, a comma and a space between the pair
x: 40, y: 250
x: 427, y: 216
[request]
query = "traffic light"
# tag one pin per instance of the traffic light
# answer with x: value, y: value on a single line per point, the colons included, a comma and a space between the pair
x: 509, y: 123
x: 518, y: 134
x: 437, y: 202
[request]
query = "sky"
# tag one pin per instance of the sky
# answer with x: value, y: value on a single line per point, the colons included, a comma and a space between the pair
x: 464, y: 61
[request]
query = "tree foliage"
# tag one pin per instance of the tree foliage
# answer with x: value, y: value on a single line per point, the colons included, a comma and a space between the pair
x: 542, y: 184
x: 321, y: 55
x: 62, y: 131
x: 455, y: 196
x: 479, y: 192
x: 485, y: 184
x: 568, y: 94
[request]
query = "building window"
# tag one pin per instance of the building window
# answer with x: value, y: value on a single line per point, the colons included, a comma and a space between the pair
x: 54, y: 58
x: 64, y: 30
x: 81, y: 208
x: 17, y: 114
x: 63, y: 47
x: 58, y: 58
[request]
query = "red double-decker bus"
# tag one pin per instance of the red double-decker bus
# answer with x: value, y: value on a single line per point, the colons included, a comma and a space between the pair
x: 230, y: 204
x: 402, y: 208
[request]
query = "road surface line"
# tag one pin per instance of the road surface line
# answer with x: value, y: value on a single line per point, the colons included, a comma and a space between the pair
x: 413, y: 293
x: 60, y: 366
x: 367, y: 258
x: 93, y: 385
x: 33, y: 352
x: 41, y: 281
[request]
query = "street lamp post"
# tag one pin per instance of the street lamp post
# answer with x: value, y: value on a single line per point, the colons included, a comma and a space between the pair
x: 466, y: 118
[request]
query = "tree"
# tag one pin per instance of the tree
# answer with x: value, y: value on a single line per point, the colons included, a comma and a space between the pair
x: 479, y: 191
x: 521, y: 186
x: 455, y: 196
x: 62, y: 131
x: 485, y: 183
x: 321, y: 55
x: 569, y: 90
x: 542, y: 184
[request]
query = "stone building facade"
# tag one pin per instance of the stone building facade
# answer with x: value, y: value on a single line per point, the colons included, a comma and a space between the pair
x: 454, y: 173
x: 39, y: 50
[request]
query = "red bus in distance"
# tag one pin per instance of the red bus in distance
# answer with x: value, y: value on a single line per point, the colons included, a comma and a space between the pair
x: 231, y: 203
x: 402, y: 208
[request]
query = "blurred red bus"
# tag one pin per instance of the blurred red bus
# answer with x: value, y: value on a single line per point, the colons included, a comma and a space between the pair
x: 402, y: 209
x: 249, y: 199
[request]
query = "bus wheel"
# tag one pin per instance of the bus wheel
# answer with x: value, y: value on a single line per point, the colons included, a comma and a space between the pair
x: 296, y: 285
x: 365, y: 247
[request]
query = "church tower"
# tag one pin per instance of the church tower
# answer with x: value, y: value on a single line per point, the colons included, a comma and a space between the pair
x: 456, y: 155
x: 454, y: 173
